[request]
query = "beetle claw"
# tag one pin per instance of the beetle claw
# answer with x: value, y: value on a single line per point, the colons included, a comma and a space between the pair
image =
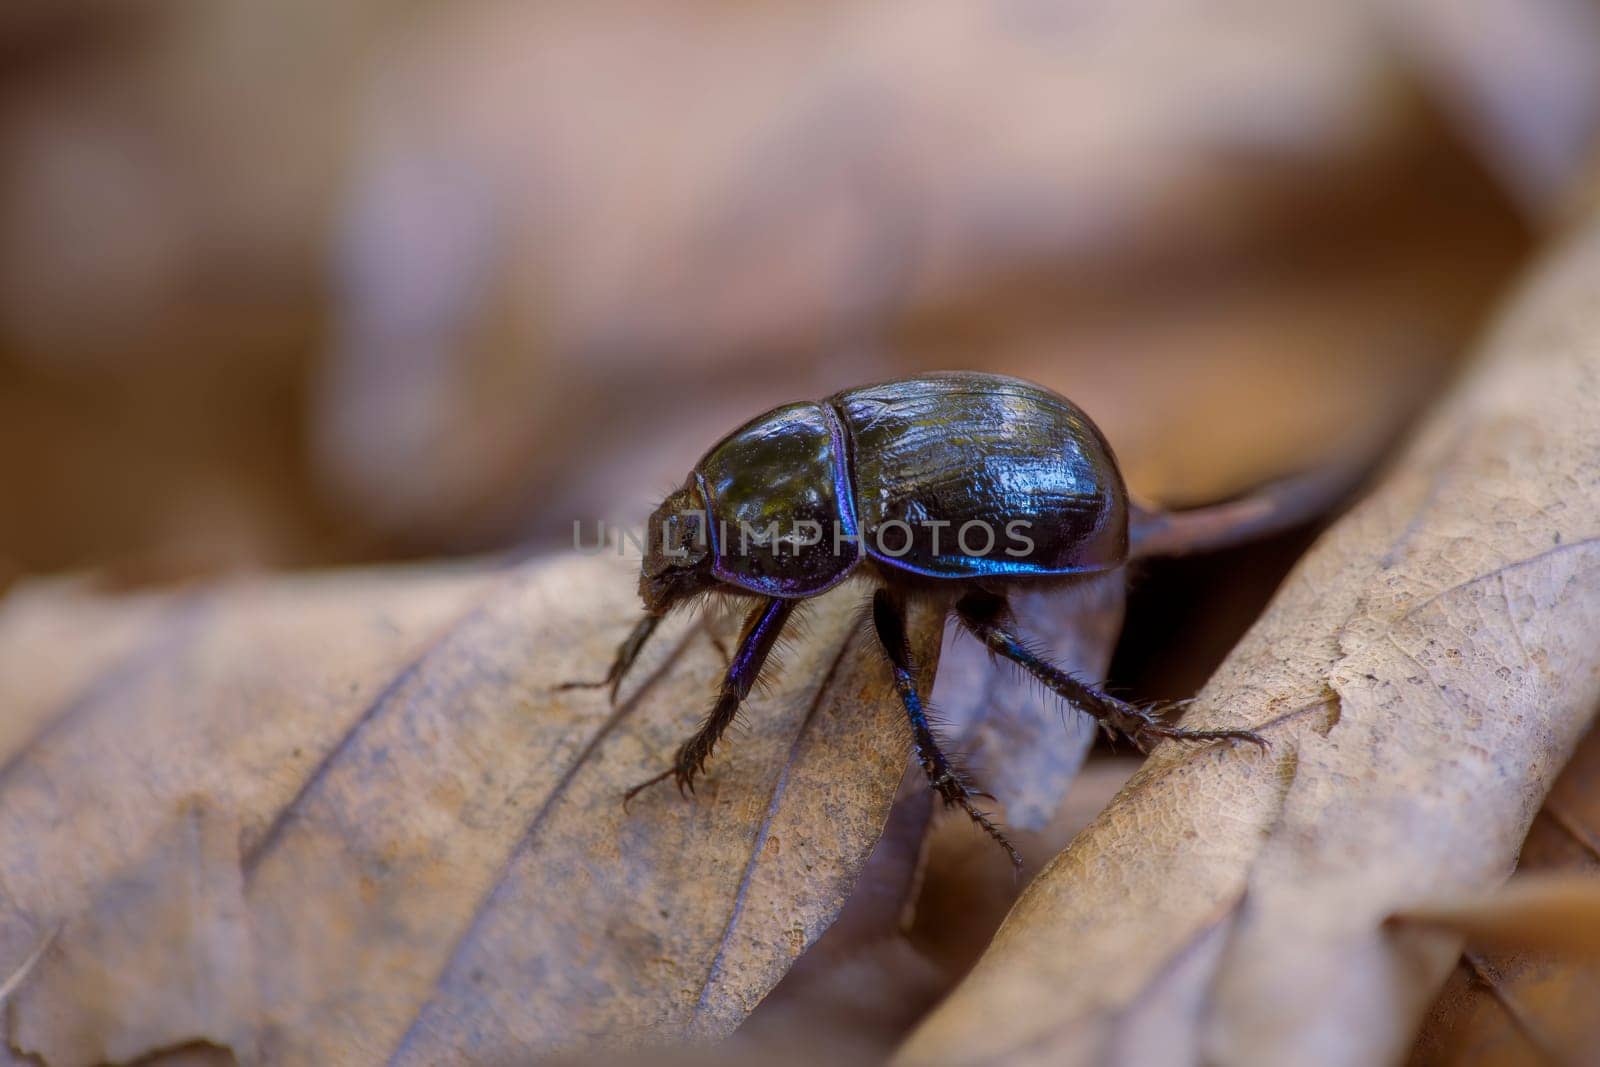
x: 642, y: 786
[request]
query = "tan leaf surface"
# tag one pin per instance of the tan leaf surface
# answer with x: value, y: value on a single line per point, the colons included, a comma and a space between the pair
x: 161, y: 958
x: 344, y: 818
x: 1423, y: 675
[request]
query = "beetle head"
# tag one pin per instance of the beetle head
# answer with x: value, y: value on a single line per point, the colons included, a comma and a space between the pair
x: 677, y: 556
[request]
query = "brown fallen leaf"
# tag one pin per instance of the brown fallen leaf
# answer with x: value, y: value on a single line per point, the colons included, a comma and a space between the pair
x: 354, y: 812
x: 1551, y: 912
x: 1511, y: 1006
x: 873, y: 984
x: 1265, y: 228
x: 1422, y: 675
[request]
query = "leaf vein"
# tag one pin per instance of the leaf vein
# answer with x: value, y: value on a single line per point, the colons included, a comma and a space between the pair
x: 525, y: 840
x: 758, y: 845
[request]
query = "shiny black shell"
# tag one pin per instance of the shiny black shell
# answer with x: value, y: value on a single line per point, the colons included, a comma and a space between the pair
x: 897, y: 471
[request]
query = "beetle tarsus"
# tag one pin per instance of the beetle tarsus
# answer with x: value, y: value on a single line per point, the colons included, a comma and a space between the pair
x: 682, y: 772
x: 627, y: 798
x: 1145, y: 734
x: 989, y: 619
x: 888, y: 617
x: 1159, y: 729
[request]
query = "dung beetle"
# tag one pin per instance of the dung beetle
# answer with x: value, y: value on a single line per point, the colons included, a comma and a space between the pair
x: 951, y: 487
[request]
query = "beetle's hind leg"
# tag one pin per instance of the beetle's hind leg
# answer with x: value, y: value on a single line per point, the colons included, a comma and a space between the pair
x: 761, y: 632
x: 989, y: 618
x: 888, y: 618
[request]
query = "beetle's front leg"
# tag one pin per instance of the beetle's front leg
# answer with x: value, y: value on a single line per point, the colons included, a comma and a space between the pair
x: 989, y: 619
x: 888, y: 618
x: 627, y: 652
x: 761, y: 632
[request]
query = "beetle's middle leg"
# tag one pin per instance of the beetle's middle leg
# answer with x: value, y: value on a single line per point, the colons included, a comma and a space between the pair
x: 988, y: 616
x: 761, y: 632
x: 888, y: 617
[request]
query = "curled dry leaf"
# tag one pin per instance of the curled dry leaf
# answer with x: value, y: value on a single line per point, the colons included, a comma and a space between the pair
x: 351, y: 818
x: 1504, y: 1007
x: 1548, y: 912
x: 1422, y: 675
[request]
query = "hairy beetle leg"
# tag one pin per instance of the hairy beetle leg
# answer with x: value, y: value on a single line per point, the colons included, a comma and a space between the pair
x: 761, y: 632
x: 627, y: 652
x: 988, y: 617
x: 888, y: 619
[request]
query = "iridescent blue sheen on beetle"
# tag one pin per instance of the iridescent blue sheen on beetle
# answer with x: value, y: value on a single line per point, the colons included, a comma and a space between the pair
x: 787, y: 468
x: 934, y: 456
x: 954, y: 449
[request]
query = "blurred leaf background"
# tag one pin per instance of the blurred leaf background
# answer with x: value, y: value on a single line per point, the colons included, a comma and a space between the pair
x: 303, y: 284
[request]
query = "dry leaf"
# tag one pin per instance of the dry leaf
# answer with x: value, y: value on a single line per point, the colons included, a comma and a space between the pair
x: 1557, y: 913
x: 1502, y: 1008
x: 1423, y: 674
x: 872, y: 984
x: 571, y: 191
x: 369, y: 783
x: 1519, y: 78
